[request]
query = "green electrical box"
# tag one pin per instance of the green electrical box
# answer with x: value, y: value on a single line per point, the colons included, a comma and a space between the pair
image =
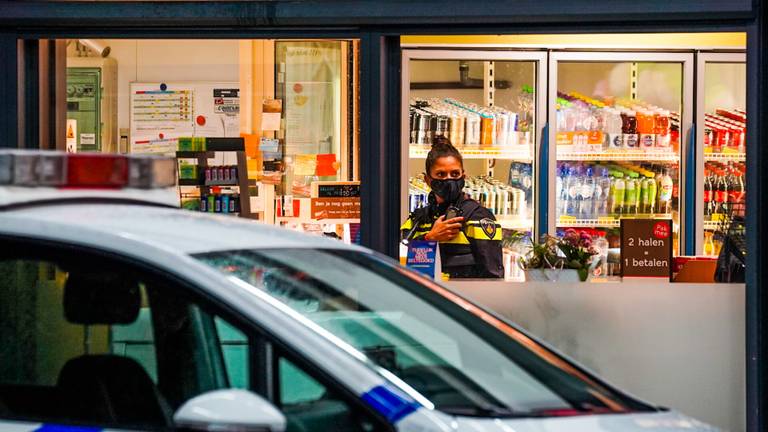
x: 84, y: 107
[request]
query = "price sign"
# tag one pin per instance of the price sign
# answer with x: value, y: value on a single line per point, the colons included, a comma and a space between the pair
x: 338, y: 191
x: 646, y: 248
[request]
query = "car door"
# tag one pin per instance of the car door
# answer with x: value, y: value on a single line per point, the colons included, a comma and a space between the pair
x: 88, y: 339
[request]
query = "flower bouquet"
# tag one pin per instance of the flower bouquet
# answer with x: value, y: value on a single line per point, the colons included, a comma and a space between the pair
x: 553, y: 255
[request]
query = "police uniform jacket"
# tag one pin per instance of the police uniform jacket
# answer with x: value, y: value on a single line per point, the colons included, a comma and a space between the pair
x: 475, y: 252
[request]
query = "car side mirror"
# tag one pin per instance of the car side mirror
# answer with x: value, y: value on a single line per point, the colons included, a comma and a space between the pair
x: 229, y: 410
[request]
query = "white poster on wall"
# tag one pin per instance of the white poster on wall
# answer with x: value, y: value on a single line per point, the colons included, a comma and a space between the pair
x: 163, y: 112
x: 309, y: 96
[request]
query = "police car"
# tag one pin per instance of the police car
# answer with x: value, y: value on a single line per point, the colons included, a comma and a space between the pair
x: 120, y: 311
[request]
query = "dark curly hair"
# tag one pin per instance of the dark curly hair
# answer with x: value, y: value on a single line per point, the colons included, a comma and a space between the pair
x: 441, y: 147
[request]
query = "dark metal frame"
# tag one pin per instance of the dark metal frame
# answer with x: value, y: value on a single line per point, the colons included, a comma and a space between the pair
x: 378, y: 25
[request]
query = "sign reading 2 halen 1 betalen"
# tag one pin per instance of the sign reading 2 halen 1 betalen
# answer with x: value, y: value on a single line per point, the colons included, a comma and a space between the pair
x: 646, y: 248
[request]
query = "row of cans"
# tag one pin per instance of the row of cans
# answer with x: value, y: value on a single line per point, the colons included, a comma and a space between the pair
x: 222, y: 173
x: 462, y: 124
x: 501, y: 199
x: 220, y: 203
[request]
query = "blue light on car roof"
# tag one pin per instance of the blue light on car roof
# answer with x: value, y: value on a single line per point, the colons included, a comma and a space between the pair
x: 65, y: 428
x: 392, y: 404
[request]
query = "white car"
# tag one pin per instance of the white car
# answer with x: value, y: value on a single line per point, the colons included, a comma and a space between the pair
x: 120, y: 312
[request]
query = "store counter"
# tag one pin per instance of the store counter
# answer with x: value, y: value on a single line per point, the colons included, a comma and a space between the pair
x: 674, y: 344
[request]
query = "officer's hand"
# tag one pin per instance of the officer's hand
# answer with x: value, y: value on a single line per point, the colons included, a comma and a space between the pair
x: 444, y: 230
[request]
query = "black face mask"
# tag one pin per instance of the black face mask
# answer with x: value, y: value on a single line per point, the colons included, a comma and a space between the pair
x: 450, y: 190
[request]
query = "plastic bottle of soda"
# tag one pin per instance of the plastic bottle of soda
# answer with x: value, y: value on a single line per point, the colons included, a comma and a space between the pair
x: 665, y: 192
x: 617, y: 193
x: 629, y: 129
x: 650, y: 203
x: 646, y: 127
x: 613, y: 128
x: 707, y: 190
x: 662, y: 129
x: 631, y: 194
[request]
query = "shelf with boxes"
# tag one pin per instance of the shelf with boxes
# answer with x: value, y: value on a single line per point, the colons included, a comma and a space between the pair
x: 222, y: 188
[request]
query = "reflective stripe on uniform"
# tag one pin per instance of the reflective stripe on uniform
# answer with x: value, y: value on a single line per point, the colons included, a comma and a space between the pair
x: 475, y: 231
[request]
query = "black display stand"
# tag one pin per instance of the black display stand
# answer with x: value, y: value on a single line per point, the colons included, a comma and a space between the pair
x: 225, y: 145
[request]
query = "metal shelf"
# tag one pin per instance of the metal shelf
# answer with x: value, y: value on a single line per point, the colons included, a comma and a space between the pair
x: 515, y: 223
x: 725, y: 157
x: 606, y: 222
x: 518, y: 152
x: 711, y: 225
x: 650, y: 156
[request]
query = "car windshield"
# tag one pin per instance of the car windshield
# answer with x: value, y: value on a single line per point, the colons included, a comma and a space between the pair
x: 461, y: 358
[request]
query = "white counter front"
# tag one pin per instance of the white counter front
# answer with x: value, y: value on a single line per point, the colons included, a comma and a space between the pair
x: 675, y: 344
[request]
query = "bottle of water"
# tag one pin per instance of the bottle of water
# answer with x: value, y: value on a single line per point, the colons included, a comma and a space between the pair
x: 602, y: 190
x: 560, y: 191
x: 573, y: 187
x: 587, y: 194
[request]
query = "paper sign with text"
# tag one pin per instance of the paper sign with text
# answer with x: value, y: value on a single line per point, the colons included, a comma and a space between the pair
x: 424, y: 257
x: 646, y: 248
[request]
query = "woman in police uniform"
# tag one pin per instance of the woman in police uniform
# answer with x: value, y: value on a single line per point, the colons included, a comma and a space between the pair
x: 468, y: 234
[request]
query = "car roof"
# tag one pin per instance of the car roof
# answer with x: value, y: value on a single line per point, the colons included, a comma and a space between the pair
x: 184, y: 231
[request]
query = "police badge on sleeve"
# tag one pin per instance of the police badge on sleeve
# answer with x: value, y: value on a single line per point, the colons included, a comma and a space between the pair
x: 489, y: 227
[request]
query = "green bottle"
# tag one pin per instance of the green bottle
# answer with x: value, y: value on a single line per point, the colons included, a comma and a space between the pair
x: 631, y: 194
x: 651, y: 195
x: 618, y: 189
x: 643, y: 199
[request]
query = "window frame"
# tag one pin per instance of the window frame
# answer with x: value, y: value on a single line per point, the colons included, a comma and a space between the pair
x: 264, y: 347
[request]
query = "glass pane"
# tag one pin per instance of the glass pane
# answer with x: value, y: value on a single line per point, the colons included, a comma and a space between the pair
x: 234, y: 347
x: 618, y: 148
x: 434, y: 345
x: 487, y: 110
x: 725, y: 122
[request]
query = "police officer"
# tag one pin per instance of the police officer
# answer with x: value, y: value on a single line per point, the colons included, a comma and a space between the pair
x: 468, y: 234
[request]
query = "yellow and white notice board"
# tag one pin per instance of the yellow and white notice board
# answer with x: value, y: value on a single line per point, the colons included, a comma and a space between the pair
x: 161, y: 112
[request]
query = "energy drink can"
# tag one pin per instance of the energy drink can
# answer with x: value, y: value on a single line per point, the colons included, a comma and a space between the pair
x: 423, y: 134
x: 487, y: 129
x: 457, y: 129
x: 234, y: 204
x: 233, y: 173
x: 502, y: 128
x: 203, y: 203
x: 211, y: 203
x: 225, y: 203
x: 217, y: 204
x: 220, y: 173
x: 207, y: 174
x: 415, y: 125
x: 472, y: 130
x: 442, y: 125
x: 214, y: 174
x: 225, y: 173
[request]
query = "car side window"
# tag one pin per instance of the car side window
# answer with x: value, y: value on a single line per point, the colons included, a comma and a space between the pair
x: 90, y: 342
x: 309, y: 405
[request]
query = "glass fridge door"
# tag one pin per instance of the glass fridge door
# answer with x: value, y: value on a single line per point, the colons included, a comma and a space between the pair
x: 721, y: 122
x: 618, y: 138
x: 489, y: 104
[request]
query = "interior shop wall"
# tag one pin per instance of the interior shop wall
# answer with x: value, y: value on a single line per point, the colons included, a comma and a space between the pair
x: 658, y: 83
x: 725, y: 86
x: 169, y: 60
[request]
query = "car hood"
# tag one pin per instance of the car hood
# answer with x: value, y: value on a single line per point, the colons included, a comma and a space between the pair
x: 668, y: 421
